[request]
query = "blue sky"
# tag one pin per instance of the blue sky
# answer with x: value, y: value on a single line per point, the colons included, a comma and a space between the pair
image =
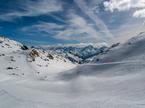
x: 71, y: 21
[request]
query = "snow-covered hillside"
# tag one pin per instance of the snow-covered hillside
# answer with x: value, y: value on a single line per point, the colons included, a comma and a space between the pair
x: 34, y: 78
x: 133, y: 49
x: 16, y: 61
x: 7, y: 45
x: 47, y: 64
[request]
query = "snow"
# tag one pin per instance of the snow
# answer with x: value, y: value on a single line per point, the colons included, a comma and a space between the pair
x: 47, y: 67
x: 7, y: 45
x: 77, y: 53
x: 116, y: 81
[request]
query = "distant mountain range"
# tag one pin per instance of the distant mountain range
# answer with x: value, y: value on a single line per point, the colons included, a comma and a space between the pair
x: 80, y: 53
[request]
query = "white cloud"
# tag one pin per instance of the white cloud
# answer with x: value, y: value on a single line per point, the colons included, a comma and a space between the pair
x: 79, y: 29
x: 139, y: 13
x: 43, y: 27
x: 33, y: 8
x: 97, y: 21
x: 122, y: 5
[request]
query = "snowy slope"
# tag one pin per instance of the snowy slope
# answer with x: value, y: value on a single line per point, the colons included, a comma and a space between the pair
x: 13, y: 59
x: 47, y: 64
x: 116, y: 81
x: 133, y: 49
x: 27, y: 63
x: 7, y: 45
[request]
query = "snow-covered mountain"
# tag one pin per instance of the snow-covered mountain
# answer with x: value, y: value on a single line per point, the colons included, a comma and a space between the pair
x: 16, y: 59
x: 34, y: 78
x: 7, y: 45
x: 76, y: 53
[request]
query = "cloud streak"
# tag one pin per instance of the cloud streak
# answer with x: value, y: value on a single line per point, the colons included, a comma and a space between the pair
x: 44, y: 28
x: 33, y: 8
x: 77, y: 29
x: 99, y: 23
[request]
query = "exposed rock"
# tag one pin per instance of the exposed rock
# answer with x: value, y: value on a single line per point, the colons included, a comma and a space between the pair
x: 115, y: 45
x: 10, y: 68
x: 50, y: 56
x: 34, y: 53
x: 24, y: 47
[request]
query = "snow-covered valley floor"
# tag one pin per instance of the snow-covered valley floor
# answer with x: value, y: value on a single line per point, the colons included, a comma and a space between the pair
x: 98, y: 90
x: 116, y: 84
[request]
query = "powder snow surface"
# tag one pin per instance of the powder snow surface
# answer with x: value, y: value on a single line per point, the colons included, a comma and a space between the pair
x: 117, y: 81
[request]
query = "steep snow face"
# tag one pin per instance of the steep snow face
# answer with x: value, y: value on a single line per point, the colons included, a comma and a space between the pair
x: 7, y: 45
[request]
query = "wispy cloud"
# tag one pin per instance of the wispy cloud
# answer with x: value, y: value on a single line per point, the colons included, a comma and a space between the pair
x: 33, y: 8
x: 99, y: 23
x: 124, y: 5
x: 43, y: 28
x: 76, y: 29
x: 79, y: 29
